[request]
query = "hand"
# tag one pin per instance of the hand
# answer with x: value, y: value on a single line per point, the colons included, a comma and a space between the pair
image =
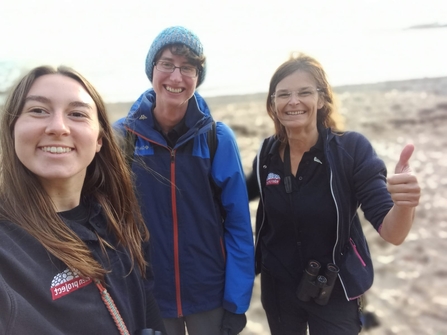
x: 403, y: 185
x: 232, y: 324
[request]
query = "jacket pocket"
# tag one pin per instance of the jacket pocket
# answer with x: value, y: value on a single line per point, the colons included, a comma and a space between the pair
x: 356, y: 252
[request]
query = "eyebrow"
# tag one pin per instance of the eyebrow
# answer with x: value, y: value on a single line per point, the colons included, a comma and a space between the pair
x: 170, y: 59
x: 45, y: 100
x: 301, y: 89
x: 37, y: 98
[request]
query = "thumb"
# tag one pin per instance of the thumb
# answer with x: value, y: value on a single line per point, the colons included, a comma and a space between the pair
x: 403, y: 165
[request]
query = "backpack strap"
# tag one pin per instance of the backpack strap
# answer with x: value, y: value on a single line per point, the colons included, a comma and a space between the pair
x: 264, y: 149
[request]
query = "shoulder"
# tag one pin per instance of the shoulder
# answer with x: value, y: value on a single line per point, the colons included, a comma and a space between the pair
x: 14, y: 239
x: 350, y: 143
x: 354, y: 150
x: 224, y: 132
x: 347, y: 138
x: 268, y: 147
x: 8, y: 230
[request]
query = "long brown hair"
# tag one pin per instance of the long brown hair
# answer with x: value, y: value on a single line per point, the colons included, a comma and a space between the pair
x: 325, y: 115
x: 24, y: 202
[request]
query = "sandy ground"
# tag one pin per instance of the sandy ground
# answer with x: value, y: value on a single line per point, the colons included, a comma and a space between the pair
x: 409, y: 293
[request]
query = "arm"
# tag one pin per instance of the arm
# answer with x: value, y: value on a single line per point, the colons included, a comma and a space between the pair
x: 153, y: 315
x: 251, y: 182
x: 5, y: 307
x: 405, y: 192
x: 228, y: 174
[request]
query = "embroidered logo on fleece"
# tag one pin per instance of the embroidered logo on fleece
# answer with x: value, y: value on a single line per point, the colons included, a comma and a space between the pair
x: 272, y: 179
x: 66, y: 282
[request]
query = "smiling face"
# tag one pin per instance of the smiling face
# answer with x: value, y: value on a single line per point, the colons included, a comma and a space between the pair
x: 57, y: 133
x: 173, y: 89
x: 296, y: 101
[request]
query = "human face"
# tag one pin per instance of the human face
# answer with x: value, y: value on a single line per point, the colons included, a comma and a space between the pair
x: 173, y: 89
x: 300, y: 111
x: 57, y: 133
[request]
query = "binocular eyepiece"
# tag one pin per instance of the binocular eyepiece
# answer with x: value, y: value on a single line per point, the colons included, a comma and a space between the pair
x: 315, y: 286
x: 148, y: 331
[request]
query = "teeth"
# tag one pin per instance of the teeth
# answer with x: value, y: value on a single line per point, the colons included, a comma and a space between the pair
x: 173, y: 90
x: 295, y: 113
x: 56, y: 150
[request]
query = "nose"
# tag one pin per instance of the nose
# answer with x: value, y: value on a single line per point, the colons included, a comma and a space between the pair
x: 57, y: 125
x: 176, y: 75
x: 294, y: 98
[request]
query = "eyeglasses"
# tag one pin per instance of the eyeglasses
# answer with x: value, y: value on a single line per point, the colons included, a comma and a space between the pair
x: 186, y: 70
x: 285, y: 96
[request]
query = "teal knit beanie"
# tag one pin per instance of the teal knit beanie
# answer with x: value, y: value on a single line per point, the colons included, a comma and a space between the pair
x: 173, y: 35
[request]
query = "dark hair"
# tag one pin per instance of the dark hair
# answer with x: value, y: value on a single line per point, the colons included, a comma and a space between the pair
x: 306, y: 63
x: 24, y: 202
x: 179, y: 49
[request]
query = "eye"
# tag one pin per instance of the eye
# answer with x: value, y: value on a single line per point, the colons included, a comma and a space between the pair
x: 166, y: 65
x: 188, y: 69
x: 283, y: 95
x: 304, y: 93
x: 38, y: 111
x: 78, y: 114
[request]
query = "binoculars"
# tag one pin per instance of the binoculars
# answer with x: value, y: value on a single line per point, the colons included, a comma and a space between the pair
x: 147, y: 331
x: 315, y: 286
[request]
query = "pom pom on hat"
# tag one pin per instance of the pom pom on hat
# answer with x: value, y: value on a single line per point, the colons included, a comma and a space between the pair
x: 173, y: 35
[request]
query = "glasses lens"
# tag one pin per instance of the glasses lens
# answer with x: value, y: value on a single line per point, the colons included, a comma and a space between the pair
x: 189, y: 71
x: 287, y: 95
x: 165, y: 66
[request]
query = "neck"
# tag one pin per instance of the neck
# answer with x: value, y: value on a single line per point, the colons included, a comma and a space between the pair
x: 63, y: 196
x: 169, y: 115
x: 302, y: 141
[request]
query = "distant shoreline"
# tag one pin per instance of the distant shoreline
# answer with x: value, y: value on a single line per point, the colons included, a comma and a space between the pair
x: 434, y: 85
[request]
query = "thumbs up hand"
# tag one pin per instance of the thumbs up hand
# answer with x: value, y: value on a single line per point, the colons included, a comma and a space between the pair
x: 403, y: 185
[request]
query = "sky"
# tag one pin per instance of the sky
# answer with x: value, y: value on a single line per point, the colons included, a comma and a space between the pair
x: 357, y: 41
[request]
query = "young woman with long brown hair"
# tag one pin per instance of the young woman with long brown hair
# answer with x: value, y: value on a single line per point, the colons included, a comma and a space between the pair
x: 73, y: 243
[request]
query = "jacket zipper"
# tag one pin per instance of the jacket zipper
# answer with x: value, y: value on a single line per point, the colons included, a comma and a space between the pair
x: 354, y: 247
x: 178, y: 296
x: 338, y: 216
x: 338, y: 226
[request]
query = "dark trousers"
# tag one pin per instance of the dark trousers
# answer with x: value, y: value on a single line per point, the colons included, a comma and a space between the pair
x: 287, y: 315
x: 204, y: 323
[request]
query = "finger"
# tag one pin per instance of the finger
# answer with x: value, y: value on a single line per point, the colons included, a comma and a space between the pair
x: 406, y: 199
x: 402, y: 178
x: 403, y: 165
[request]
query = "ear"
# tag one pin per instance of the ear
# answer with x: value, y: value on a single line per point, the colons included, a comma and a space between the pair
x: 320, y: 103
x: 99, y: 144
x: 273, y: 106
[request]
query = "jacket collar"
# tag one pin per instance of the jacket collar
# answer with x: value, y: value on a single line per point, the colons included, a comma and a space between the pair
x: 140, y: 117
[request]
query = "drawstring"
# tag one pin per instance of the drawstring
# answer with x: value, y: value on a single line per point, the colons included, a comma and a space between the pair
x: 113, y: 310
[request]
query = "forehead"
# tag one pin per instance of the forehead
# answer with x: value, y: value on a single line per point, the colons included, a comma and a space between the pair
x: 297, y: 80
x: 57, y: 87
x: 168, y: 55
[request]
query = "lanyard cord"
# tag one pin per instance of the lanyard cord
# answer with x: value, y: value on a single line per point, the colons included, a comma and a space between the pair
x: 289, y: 189
x: 287, y: 170
x: 113, y: 310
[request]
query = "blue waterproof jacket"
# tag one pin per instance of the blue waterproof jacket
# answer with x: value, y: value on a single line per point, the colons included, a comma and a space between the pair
x: 197, y: 213
x: 357, y: 180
